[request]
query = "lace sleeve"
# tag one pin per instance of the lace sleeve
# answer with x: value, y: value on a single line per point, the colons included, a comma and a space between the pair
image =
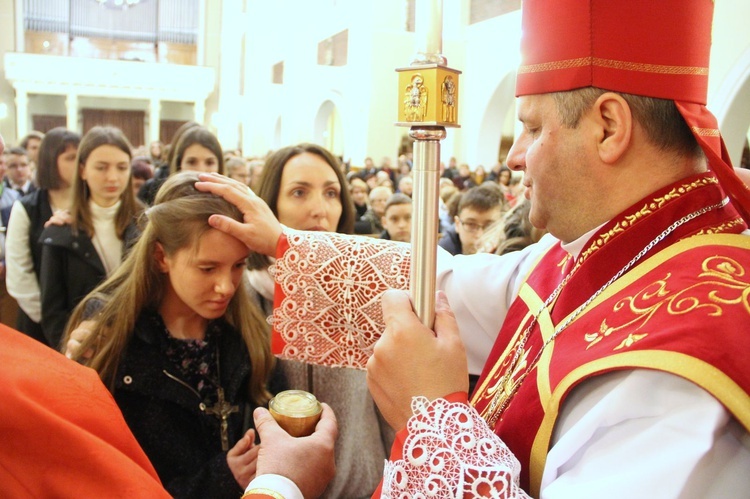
x: 327, y: 297
x: 450, y: 451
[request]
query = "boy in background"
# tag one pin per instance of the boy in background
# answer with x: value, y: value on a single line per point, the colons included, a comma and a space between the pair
x: 396, y: 218
x: 479, y: 208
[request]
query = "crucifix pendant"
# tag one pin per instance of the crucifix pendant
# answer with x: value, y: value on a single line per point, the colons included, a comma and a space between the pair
x: 222, y: 409
x: 502, y: 395
x: 506, y: 388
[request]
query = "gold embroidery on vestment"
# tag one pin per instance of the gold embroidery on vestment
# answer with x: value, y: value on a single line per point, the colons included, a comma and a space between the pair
x: 721, y: 282
x: 725, y: 227
x: 594, y: 338
x: 651, y: 68
x: 630, y: 341
x: 562, y: 263
x: 507, y: 385
x: 649, y: 208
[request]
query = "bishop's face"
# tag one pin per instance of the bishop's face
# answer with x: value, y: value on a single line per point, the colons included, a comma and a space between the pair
x: 554, y: 162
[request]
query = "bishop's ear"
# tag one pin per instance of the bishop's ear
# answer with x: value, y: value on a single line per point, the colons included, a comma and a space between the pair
x: 614, y: 118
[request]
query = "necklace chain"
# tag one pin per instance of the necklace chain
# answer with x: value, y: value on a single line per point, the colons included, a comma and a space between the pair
x: 506, y: 387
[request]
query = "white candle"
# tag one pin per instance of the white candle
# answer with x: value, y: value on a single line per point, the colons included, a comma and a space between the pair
x: 429, y: 26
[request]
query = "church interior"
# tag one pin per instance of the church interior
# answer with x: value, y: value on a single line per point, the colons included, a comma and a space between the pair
x: 263, y: 74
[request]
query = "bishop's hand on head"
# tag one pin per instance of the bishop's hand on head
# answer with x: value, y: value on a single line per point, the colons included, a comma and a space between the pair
x: 260, y: 230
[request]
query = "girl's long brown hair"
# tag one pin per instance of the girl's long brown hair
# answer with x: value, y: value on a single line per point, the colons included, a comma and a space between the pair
x: 80, y: 211
x: 177, y: 220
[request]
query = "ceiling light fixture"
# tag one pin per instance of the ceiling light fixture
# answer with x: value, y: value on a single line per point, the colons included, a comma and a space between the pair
x: 118, y: 4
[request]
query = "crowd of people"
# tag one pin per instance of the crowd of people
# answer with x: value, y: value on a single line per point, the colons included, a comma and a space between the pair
x: 87, y: 221
x: 104, y: 224
x: 588, y: 338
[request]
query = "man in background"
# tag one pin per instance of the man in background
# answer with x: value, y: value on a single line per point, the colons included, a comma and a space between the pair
x: 479, y: 207
x: 18, y: 174
x: 31, y: 143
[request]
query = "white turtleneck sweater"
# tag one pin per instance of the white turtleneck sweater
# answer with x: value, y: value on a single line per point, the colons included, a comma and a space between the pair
x: 106, y: 242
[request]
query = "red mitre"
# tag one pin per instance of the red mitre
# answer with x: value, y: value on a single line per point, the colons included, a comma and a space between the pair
x: 654, y: 48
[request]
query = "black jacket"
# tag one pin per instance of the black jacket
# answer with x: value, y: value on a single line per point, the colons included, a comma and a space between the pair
x: 147, y: 192
x: 39, y: 211
x: 451, y: 242
x: 181, y: 440
x: 369, y: 223
x: 70, y: 269
x: 32, y: 187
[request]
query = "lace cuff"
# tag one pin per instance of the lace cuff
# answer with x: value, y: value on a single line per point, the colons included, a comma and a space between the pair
x: 327, y: 295
x: 448, y: 450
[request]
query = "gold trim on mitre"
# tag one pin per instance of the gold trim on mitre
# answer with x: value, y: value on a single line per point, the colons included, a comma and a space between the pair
x: 706, y: 132
x: 615, y: 64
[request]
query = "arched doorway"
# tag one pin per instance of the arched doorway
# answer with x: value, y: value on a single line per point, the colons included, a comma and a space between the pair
x: 329, y: 131
x: 497, y: 127
x: 732, y: 107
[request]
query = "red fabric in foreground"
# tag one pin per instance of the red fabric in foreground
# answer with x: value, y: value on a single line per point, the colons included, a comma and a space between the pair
x: 63, y: 434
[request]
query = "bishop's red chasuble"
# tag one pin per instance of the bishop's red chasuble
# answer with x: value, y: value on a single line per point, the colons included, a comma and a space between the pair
x: 662, y: 286
x: 663, y: 313
x: 63, y: 434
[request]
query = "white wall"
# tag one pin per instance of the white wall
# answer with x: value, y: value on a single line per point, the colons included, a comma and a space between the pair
x: 7, y: 95
x: 729, y: 78
x: 364, y: 92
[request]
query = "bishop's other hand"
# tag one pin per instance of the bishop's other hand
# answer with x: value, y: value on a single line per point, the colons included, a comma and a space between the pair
x: 410, y: 360
x: 307, y: 461
x: 260, y: 230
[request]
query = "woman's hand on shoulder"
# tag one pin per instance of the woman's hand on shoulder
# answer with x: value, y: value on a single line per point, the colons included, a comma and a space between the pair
x: 76, y: 340
x: 59, y: 217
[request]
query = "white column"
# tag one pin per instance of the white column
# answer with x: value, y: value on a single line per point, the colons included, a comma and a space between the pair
x: 20, y: 32
x: 71, y: 106
x: 154, y: 119
x: 228, y: 114
x: 200, y: 52
x: 22, y: 113
x: 199, y: 111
